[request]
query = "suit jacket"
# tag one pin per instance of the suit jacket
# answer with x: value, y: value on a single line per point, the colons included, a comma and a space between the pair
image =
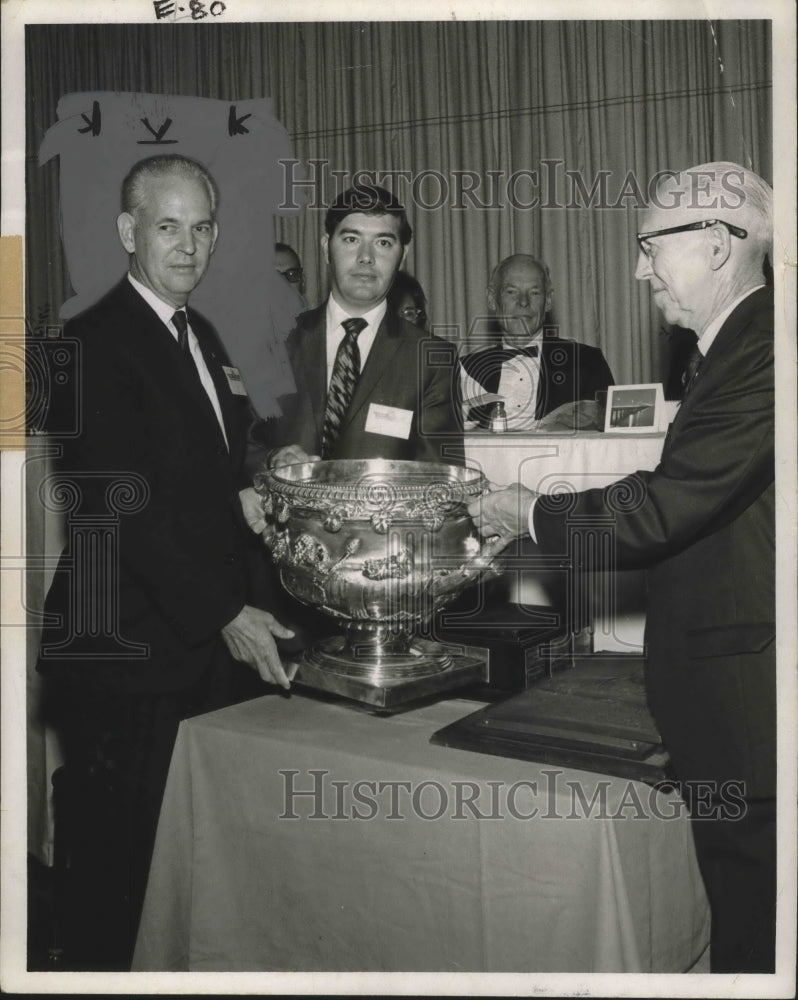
x: 703, y: 521
x: 181, y: 554
x: 568, y: 371
x: 406, y: 368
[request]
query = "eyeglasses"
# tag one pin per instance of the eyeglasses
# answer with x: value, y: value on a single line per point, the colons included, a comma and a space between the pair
x: 293, y: 274
x: 410, y: 313
x: 647, y: 251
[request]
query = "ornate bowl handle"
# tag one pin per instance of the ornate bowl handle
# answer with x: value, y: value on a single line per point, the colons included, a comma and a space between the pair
x: 266, y: 498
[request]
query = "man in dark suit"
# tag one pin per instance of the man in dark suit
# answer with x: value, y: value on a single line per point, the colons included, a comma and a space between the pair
x: 385, y: 389
x: 534, y: 370
x: 703, y: 524
x: 154, y: 602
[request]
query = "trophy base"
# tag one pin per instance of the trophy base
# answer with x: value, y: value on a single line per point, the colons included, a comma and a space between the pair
x: 391, y: 680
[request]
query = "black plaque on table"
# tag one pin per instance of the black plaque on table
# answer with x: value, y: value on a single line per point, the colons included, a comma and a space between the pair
x: 593, y: 717
x: 517, y: 637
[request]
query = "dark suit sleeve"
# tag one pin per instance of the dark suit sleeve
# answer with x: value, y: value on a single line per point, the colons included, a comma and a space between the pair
x: 599, y: 375
x: 263, y: 437
x: 179, y: 541
x: 717, y: 460
x: 440, y: 437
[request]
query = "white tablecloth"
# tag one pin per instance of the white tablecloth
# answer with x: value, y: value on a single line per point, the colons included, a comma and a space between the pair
x: 544, y: 462
x: 236, y: 885
x: 577, y: 461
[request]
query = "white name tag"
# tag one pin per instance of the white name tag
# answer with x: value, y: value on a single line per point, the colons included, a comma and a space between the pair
x: 234, y: 380
x: 389, y: 420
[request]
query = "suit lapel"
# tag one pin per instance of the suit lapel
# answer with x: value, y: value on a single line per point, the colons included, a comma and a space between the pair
x: 309, y: 357
x: 733, y: 324
x: 213, y: 362
x: 719, y: 354
x: 380, y: 360
x: 151, y: 337
x: 550, y: 392
x: 484, y: 367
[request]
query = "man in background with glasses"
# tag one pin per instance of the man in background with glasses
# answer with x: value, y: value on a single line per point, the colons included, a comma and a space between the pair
x: 703, y: 524
x: 287, y: 263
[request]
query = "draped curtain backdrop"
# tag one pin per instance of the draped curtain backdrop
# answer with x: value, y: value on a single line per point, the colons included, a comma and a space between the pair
x: 453, y: 105
x: 490, y: 123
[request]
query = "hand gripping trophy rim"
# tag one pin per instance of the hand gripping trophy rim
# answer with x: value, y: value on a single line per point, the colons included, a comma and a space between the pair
x: 380, y: 546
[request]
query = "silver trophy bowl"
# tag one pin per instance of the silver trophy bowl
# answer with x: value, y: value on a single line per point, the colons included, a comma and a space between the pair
x: 380, y: 546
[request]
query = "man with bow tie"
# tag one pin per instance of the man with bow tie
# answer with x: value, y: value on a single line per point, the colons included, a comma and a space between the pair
x: 533, y: 371
x: 369, y: 383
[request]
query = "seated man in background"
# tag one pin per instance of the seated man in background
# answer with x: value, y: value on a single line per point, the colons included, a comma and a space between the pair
x: 369, y: 384
x: 534, y: 371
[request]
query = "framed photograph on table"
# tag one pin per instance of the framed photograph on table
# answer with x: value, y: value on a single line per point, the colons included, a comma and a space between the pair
x: 634, y: 409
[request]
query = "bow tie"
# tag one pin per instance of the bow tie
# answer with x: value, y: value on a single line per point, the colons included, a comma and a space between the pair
x: 508, y: 353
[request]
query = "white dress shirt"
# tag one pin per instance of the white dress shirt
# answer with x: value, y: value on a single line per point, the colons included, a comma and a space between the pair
x: 518, y: 387
x: 336, y: 314
x: 165, y: 312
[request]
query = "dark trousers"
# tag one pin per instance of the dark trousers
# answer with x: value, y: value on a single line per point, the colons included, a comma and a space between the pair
x: 737, y: 858
x: 117, y: 740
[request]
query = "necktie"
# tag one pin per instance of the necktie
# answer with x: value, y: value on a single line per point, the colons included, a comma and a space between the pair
x: 691, y: 370
x: 181, y: 324
x: 180, y: 320
x: 346, y: 371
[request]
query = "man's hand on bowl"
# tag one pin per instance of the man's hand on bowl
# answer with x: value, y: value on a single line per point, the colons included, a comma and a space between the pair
x: 502, y: 512
x: 292, y: 454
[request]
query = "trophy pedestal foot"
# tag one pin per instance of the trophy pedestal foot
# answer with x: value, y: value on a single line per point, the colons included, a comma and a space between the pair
x: 389, y: 680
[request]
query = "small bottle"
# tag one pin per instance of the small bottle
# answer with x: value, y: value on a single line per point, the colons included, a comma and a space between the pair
x: 498, y: 419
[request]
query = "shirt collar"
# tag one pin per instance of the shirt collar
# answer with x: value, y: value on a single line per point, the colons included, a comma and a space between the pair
x: 707, y: 338
x: 164, y: 311
x: 336, y: 314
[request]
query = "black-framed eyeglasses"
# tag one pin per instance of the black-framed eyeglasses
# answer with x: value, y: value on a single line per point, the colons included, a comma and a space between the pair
x: 410, y: 313
x: 292, y: 274
x: 646, y: 250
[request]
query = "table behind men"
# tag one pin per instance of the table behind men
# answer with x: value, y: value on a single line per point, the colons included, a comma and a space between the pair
x: 545, y: 462
x: 235, y: 887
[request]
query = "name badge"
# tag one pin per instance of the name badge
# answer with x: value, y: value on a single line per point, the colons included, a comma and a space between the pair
x: 389, y: 420
x: 234, y: 380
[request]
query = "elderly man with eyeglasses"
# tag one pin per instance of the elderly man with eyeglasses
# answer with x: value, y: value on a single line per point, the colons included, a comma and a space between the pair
x: 703, y: 524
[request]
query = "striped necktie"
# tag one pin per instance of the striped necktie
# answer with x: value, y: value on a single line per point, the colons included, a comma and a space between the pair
x: 691, y: 370
x: 346, y: 371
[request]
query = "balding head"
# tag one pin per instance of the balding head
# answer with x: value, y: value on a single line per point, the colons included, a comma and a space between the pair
x: 519, y: 295
x: 720, y: 190
x: 722, y: 215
